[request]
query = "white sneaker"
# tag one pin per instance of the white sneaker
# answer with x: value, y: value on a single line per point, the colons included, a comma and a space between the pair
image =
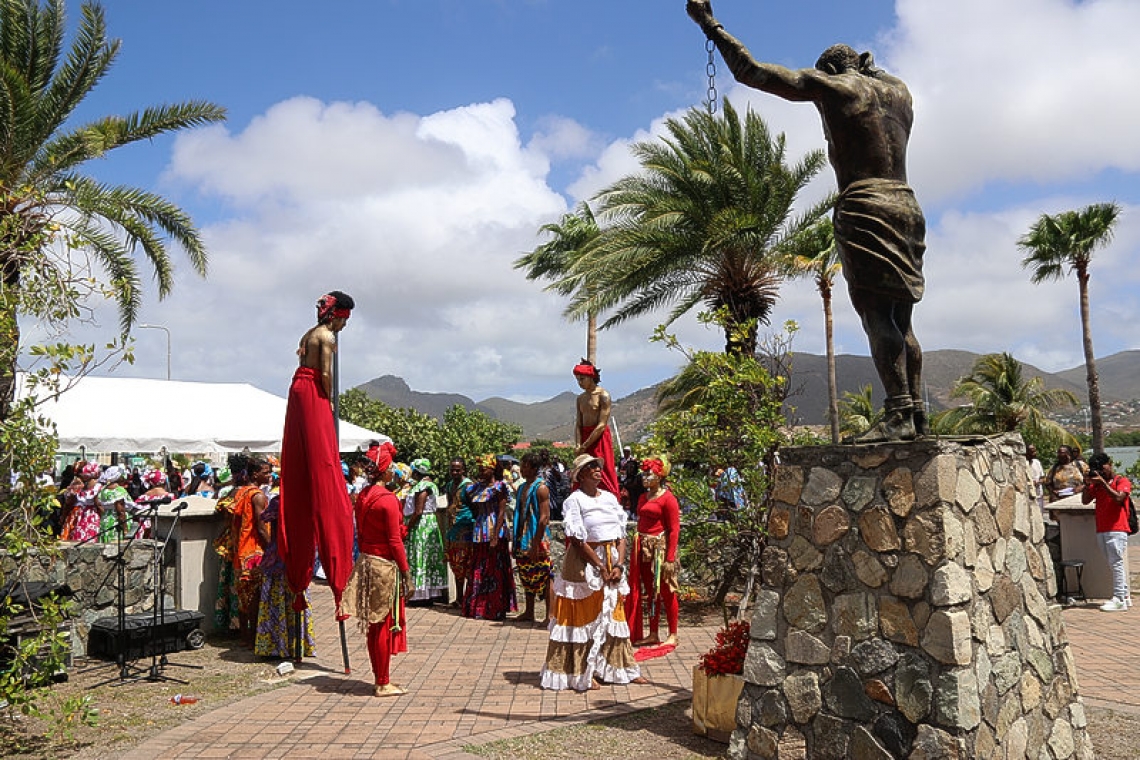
x: 1114, y: 605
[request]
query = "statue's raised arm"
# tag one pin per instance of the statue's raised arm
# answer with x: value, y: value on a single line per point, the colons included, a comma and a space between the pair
x: 790, y: 84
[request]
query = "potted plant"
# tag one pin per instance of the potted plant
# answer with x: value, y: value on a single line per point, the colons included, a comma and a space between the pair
x: 717, y: 683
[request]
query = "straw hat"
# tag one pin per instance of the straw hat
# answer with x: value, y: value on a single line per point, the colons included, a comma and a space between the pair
x: 581, y: 461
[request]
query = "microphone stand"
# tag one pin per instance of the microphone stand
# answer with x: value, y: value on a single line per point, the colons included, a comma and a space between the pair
x: 158, y: 660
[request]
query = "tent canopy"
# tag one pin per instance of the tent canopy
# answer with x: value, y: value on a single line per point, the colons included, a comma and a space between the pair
x: 109, y: 414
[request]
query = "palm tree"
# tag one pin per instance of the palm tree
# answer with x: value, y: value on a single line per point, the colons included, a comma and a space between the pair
x: 706, y: 221
x: 574, y: 237
x: 819, y: 259
x: 1002, y: 400
x: 857, y: 412
x: 1063, y: 242
x: 49, y: 211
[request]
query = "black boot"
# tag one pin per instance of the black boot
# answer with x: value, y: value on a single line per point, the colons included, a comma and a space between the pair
x: 920, y: 427
x: 897, y: 423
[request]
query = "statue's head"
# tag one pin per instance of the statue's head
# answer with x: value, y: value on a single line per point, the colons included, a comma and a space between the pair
x: 839, y: 59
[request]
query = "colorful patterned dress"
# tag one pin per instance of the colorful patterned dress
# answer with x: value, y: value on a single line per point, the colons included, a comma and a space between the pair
x: 274, y: 616
x: 491, y: 593
x: 425, y: 545
x: 459, y: 532
x: 247, y: 551
x: 109, y: 523
x: 226, y: 604
x: 533, y: 574
x: 589, y: 636
x: 83, y: 521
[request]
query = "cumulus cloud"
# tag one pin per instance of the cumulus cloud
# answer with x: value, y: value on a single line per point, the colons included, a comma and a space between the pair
x: 1021, y: 90
x: 420, y: 216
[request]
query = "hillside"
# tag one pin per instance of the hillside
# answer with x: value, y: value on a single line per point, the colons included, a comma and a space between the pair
x: 553, y: 419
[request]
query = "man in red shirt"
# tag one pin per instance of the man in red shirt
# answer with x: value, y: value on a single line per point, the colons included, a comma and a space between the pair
x: 1111, y: 492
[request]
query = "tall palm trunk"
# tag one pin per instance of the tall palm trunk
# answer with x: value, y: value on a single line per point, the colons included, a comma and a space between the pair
x: 1090, y: 362
x: 9, y: 333
x: 592, y: 338
x: 832, y: 385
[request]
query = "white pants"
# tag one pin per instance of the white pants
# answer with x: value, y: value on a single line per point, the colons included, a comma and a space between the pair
x: 1114, y: 544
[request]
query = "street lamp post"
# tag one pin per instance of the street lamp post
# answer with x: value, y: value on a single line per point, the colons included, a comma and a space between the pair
x: 167, y: 331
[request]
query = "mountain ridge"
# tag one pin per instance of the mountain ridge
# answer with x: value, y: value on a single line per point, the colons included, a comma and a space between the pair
x: 553, y: 419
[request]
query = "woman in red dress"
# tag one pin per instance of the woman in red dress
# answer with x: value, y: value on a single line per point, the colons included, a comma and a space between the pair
x: 381, y: 579
x: 653, y: 565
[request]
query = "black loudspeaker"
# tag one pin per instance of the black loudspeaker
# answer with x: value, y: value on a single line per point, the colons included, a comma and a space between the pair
x: 176, y: 631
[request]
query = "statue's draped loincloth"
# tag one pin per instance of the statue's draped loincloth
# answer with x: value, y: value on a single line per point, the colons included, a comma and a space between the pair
x: 880, y: 231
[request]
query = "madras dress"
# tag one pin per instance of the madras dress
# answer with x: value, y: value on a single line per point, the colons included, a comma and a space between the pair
x: 491, y: 593
x: 533, y: 574
x: 589, y: 636
x: 459, y: 532
x: 274, y: 613
x: 425, y: 545
x: 653, y: 564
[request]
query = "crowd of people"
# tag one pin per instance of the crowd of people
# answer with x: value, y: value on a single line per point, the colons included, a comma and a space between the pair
x: 410, y: 530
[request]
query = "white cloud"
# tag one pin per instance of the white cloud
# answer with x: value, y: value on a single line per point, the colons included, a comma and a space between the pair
x: 1019, y: 90
x: 419, y: 217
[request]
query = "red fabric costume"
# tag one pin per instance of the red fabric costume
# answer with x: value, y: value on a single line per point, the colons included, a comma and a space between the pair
x: 654, y: 518
x: 603, y: 449
x: 380, y: 521
x: 315, y: 508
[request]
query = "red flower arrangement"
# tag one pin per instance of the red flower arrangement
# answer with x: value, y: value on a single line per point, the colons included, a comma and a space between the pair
x: 727, y: 655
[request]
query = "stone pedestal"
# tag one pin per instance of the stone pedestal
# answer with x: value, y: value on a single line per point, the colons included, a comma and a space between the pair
x: 906, y: 611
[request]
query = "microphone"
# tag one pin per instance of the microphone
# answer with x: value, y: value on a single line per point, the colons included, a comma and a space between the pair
x: 179, y: 506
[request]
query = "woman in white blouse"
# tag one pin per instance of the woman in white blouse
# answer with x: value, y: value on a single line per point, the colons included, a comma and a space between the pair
x: 589, y: 635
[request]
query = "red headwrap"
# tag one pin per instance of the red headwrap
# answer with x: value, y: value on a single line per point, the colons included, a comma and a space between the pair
x: 382, y: 455
x: 589, y: 370
x: 326, y: 308
x: 656, y: 466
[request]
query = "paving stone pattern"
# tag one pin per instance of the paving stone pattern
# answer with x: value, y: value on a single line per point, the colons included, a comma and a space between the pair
x: 906, y: 611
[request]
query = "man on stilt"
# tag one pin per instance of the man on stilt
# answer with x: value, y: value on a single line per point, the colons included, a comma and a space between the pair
x: 592, y: 426
x: 315, y: 508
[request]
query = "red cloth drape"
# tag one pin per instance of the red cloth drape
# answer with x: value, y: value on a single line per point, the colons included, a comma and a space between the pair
x: 603, y: 448
x: 315, y: 509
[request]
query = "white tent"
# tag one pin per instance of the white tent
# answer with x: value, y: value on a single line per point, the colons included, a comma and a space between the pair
x: 110, y: 414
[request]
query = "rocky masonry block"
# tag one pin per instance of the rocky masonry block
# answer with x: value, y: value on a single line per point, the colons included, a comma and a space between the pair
x: 91, y: 572
x: 907, y: 611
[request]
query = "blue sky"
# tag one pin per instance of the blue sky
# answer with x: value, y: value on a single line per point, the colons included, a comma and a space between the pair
x: 407, y: 152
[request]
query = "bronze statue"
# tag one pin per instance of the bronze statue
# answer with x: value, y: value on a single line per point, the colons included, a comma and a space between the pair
x: 879, y: 227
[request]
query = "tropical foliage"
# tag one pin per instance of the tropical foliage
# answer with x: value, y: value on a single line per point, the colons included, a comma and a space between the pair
x: 563, y: 261
x: 58, y: 225
x: 463, y: 433
x: 857, y: 412
x: 708, y: 221
x: 1065, y: 243
x: 818, y: 258
x: 1003, y: 400
x: 735, y: 422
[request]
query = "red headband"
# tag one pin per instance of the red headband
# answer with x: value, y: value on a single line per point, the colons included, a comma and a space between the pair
x: 656, y: 466
x: 589, y: 370
x: 326, y: 307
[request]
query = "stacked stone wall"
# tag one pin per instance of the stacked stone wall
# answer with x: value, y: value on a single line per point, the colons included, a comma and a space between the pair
x: 91, y: 572
x: 907, y: 611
